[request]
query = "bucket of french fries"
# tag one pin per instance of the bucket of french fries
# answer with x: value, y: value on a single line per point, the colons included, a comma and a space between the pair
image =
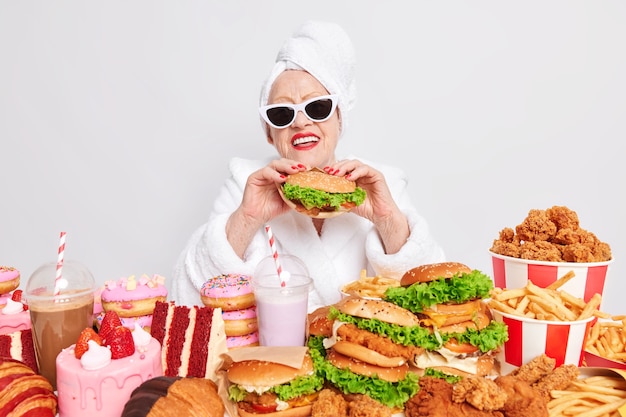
x: 542, y: 320
x: 584, y: 279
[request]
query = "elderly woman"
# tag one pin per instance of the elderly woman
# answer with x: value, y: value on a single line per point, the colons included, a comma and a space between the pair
x: 304, y: 107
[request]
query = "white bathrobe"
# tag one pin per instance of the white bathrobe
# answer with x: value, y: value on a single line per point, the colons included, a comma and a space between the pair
x: 348, y: 243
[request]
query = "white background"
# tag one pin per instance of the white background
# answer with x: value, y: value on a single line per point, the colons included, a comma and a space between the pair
x: 117, y: 119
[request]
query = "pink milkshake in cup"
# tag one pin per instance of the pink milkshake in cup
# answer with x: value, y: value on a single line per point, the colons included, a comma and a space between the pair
x: 281, y: 302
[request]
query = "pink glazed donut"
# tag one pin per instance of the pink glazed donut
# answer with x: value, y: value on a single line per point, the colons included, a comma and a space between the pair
x: 9, y: 279
x: 240, y: 322
x: 228, y: 291
x: 235, y: 342
x: 131, y: 297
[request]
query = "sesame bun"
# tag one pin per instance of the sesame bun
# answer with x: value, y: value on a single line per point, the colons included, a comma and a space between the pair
x: 393, y: 374
x: 320, y: 180
x: 266, y: 374
x: 431, y: 272
x: 319, y: 323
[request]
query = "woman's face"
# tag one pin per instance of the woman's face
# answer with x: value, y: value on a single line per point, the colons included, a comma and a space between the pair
x: 311, y: 143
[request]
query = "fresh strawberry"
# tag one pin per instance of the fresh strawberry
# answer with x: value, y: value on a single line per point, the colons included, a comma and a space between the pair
x: 121, y: 342
x: 109, y: 322
x: 17, y: 297
x: 81, y: 344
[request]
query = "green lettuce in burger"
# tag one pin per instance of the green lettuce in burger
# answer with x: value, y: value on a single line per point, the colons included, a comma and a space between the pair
x: 320, y: 195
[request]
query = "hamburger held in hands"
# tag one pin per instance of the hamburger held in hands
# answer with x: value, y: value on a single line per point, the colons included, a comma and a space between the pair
x: 448, y: 299
x: 321, y: 195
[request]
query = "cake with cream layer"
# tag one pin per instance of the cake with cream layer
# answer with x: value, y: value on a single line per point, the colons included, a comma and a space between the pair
x: 16, y: 339
x: 97, y: 385
x: 192, y: 338
x: 13, y: 316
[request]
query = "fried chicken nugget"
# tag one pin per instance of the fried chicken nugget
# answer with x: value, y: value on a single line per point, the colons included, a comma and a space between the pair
x: 329, y: 404
x: 482, y: 393
x: 563, y: 217
x: 536, y: 226
x: 507, y: 243
x: 534, y: 370
x: 541, y: 251
x: 559, y: 379
x: 365, y: 406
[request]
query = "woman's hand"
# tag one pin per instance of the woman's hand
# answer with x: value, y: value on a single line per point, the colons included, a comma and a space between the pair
x: 261, y: 202
x: 379, y: 207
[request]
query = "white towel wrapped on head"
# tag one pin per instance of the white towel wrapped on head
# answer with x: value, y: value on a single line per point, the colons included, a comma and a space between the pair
x: 325, y: 51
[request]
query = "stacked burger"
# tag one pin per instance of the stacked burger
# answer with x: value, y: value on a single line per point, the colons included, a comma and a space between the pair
x: 448, y: 298
x: 365, y: 347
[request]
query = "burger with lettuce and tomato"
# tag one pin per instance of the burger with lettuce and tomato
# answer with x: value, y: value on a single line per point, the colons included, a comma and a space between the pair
x: 263, y: 388
x: 448, y: 298
x: 318, y: 194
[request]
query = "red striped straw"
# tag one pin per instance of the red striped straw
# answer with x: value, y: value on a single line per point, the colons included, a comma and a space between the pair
x: 279, y: 269
x: 59, y: 274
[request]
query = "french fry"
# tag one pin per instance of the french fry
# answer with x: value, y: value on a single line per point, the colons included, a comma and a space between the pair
x: 591, y: 397
x: 591, y: 306
x: 561, y: 281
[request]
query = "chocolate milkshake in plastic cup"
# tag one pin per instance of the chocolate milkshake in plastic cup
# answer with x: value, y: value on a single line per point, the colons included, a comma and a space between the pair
x: 281, y: 301
x: 59, y: 310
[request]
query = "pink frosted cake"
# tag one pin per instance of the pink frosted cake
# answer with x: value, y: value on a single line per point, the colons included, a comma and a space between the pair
x: 97, y: 385
x: 13, y: 315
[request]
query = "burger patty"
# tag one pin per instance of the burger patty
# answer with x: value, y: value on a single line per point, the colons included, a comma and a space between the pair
x: 380, y: 344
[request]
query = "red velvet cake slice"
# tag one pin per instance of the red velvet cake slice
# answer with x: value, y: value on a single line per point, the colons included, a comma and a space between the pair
x: 19, y: 346
x: 192, y: 339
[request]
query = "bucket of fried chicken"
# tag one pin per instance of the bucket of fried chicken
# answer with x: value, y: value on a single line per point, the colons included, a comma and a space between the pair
x: 549, y: 245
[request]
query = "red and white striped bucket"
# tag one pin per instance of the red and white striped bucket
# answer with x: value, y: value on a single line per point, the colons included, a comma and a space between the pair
x: 528, y: 338
x: 512, y: 273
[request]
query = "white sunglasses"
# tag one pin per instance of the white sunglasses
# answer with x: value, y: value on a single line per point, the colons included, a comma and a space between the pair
x: 317, y: 109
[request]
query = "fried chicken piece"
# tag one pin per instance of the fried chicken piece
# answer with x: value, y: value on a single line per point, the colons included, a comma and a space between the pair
x: 558, y: 379
x: 507, y: 243
x: 434, y: 399
x: 588, y: 249
x: 380, y: 344
x: 365, y: 406
x: 534, y: 370
x: 563, y: 217
x: 482, y: 393
x: 536, y: 226
x: 329, y: 404
x: 541, y: 251
x: 522, y: 400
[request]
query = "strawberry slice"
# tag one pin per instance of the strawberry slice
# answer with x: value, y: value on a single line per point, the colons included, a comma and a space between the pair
x: 109, y: 322
x: 121, y: 342
x: 81, y: 344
